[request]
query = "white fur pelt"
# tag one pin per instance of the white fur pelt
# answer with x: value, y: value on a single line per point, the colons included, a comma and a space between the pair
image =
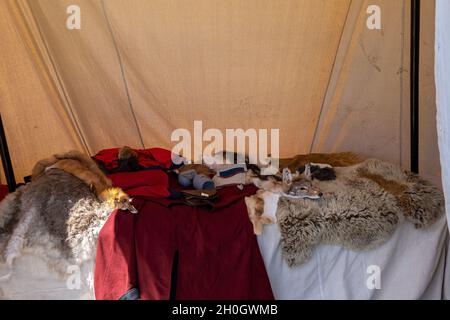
x: 48, y: 233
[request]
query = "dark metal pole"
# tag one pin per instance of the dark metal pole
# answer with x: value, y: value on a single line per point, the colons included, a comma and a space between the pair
x: 414, y: 83
x: 6, y: 159
x: 173, y: 277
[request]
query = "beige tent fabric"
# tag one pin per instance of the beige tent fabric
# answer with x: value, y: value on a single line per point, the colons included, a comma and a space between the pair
x: 364, y: 112
x: 87, y: 63
x: 231, y: 64
x: 429, y: 164
x: 35, y: 121
x: 368, y: 109
x: 442, y: 68
x: 139, y: 69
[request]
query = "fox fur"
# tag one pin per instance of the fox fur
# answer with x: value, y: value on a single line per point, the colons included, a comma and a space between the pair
x: 85, y: 169
x: 360, y: 210
x: 77, y: 164
x: 118, y: 199
x: 255, y: 208
x: 273, y: 187
x: 261, y: 212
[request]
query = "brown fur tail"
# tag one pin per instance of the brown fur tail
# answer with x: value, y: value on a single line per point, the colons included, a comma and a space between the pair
x: 41, y: 165
x: 98, y: 181
x: 77, y: 164
x: 86, y: 161
x: 342, y: 159
x: 83, y: 159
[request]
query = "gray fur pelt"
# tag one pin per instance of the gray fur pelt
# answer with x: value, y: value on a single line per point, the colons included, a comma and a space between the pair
x: 360, y: 210
x: 57, y: 215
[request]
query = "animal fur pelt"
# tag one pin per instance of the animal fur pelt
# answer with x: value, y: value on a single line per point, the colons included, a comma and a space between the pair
x: 343, y: 159
x: 77, y: 164
x: 321, y: 165
x: 359, y: 210
x: 318, y: 173
x: 85, y: 169
x: 57, y: 215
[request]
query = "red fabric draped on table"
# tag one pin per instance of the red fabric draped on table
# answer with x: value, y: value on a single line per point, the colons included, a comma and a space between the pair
x: 3, y: 191
x: 219, y: 256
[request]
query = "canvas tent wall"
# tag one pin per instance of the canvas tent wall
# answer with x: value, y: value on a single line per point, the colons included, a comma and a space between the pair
x: 443, y: 94
x: 137, y: 70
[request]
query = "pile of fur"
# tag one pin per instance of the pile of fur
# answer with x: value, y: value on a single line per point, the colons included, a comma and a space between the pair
x: 57, y: 216
x: 359, y: 211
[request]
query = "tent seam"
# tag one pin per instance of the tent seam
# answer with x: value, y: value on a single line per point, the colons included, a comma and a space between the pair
x: 122, y: 71
x: 329, y: 78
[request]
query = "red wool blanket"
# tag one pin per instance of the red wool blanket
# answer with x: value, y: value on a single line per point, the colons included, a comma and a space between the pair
x: 219, y: 257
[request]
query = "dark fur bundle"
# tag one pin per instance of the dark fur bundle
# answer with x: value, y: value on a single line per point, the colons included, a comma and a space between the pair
x: 318, y: 173
x: 127, y: 162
